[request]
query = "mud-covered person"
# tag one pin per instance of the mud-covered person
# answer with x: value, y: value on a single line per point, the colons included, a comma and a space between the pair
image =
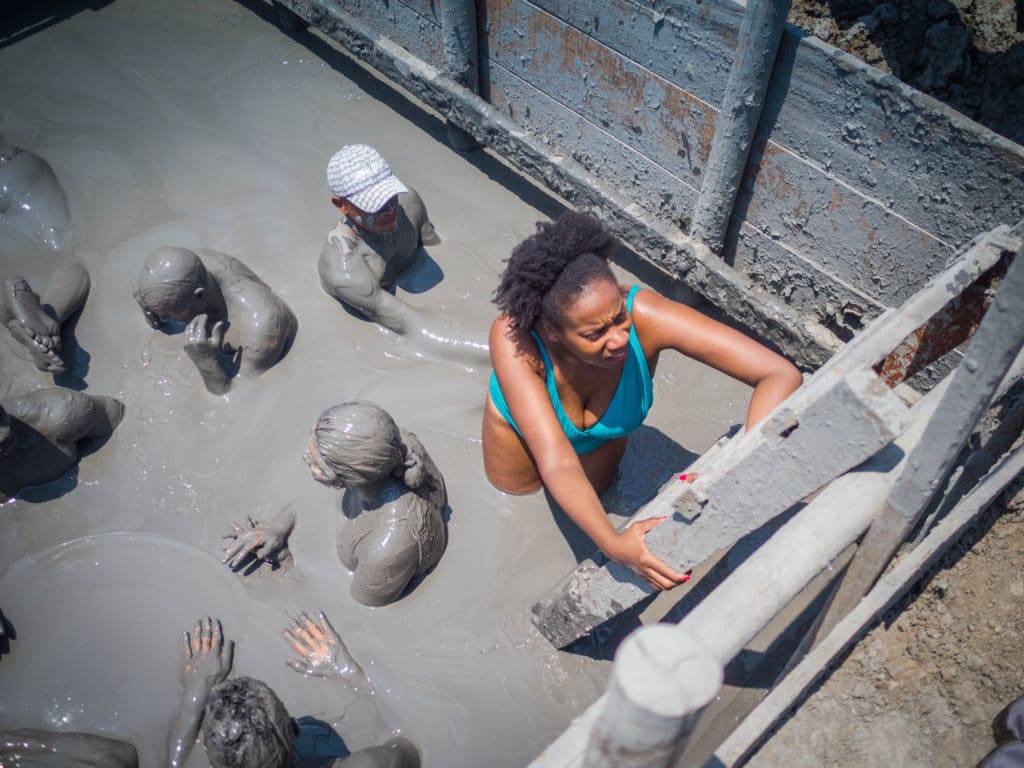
x: 573, y: 354
x: 242, y: 723
x: 41, y: 431
x: 233, y: 320
x: 383, y: 224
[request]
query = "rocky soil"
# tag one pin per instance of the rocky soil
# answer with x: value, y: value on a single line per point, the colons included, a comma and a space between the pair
x: 966, y: 53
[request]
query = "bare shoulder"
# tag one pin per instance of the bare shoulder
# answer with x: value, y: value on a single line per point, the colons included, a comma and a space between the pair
x: 663, y: 323
x: 513, y: 349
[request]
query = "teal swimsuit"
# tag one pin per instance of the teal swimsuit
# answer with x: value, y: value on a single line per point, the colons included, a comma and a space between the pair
x: 626, y: 411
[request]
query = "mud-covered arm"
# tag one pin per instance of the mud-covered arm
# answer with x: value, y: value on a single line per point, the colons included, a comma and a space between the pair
x: 208, y: 658
x: 346, y: 277
x: 30, y: 747
x: 416, y: 210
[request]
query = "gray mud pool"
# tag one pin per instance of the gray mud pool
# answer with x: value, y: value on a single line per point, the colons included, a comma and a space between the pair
x: 199, y: 124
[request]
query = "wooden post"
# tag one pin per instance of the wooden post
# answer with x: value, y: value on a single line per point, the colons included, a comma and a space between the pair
x: 753, y: 64
x: 458, y: 29
x: 831, y: 425
x: 661, y: 681
x: 973, y: 384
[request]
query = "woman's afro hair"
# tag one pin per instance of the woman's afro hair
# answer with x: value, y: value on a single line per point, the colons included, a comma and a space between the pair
x: 560, y: 260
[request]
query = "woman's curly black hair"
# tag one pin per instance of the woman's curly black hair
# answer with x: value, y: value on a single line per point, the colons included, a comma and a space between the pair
x: 549, y: 269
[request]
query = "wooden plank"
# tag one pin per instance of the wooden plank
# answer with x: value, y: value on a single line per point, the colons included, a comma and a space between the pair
x: 667, y: 194
x: 832, y: 424
x: 890, y: 588
x: 973, y: 384
x: 917, y: 156
x: 690, y: 44
x: 843, y: 231
x: 656, y: 117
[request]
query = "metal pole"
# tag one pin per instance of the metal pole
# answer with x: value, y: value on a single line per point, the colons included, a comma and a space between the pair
x: 752, y: 68
x: 661, y: 681
x: 458, y: 28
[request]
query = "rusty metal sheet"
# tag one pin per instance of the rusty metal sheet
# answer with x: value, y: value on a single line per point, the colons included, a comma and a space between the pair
x: 950, y: 327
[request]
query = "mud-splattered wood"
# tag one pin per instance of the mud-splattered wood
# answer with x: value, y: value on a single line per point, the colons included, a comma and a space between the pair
x: 832, y: 424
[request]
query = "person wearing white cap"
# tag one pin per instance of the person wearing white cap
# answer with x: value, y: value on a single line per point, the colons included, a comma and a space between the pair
x: 383, y: 224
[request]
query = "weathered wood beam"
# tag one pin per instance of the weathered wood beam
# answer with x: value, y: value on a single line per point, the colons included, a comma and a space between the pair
x: 836, y: 421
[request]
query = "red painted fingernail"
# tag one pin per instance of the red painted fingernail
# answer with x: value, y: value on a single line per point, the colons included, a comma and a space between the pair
x: 686, y: 578
x: 683, y: 477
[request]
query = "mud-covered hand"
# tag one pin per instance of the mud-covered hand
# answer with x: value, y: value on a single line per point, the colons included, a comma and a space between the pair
x: 630, y: 550
x: 267, y: 542
x: 323, y: 652
x: 203, y: 344
x: 208, y: 656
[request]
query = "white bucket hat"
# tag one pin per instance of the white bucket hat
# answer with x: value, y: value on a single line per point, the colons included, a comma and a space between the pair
x: 360, y: 175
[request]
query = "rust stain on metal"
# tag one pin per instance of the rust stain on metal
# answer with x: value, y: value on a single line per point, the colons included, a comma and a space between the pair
x: 774, y: 174
x: 837, y: 201
x: 950, y: 327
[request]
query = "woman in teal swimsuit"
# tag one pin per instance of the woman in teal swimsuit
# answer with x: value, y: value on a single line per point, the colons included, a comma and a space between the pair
x: 573, y: 354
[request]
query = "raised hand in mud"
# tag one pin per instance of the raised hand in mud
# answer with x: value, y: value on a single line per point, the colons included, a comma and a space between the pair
x: 208, y: 657
x: 323, y: 652
x: 201, y: 343
x: 268, y: 542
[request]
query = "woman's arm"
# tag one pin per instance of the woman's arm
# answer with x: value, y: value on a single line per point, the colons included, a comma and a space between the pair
x: 665, y: 324
x: 516, y: 362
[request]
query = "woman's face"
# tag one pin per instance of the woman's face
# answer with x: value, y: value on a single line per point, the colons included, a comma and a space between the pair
x: 595, y: 327
x: 315, y: 462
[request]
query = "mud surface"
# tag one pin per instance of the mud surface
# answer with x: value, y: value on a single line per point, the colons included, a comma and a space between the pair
x: 199, y: 124
x: 966, y: 53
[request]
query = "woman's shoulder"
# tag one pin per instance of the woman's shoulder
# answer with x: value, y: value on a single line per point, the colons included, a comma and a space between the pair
x: 512, y: 346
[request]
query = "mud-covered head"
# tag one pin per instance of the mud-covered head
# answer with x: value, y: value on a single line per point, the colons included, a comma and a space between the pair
x: 171, y: 286
x: 245, y: 725
x: 549, y: 270
x: 358, y: 443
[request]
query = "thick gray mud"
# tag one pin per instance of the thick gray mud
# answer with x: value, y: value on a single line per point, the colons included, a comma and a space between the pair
x: 198, y: 124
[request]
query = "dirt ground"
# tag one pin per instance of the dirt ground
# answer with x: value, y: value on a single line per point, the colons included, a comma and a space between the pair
x: 966, y: 53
